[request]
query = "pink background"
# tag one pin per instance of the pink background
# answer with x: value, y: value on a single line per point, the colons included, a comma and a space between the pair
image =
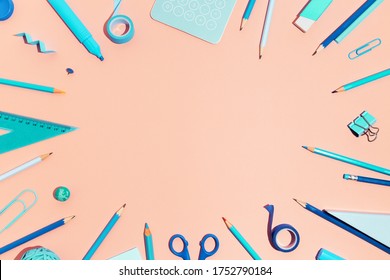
x: 186, y: 132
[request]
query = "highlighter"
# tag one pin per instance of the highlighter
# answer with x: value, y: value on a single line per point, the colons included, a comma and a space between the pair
x: 311, y: 13
x: 76, y: 26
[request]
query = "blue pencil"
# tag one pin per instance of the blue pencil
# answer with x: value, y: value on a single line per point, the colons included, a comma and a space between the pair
x: 330, y: 218
x: 247, y: 13
x: 35, y: 234
x: 104, y: 233
x: 148, y: 243
x: 344, y: 26
x: 366, y: 180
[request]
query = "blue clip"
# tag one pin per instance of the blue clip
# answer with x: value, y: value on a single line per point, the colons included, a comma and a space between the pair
x: 364, y: 49
x: 362, y: 125
x: 25, y: 208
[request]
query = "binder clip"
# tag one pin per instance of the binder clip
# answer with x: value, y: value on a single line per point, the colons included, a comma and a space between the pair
x: 24, y: 210
x: 362, y: 125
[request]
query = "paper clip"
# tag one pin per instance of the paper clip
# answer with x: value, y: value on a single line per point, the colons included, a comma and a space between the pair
x: 362, y: 125
x: 25, y: 207
x: 364, y: 49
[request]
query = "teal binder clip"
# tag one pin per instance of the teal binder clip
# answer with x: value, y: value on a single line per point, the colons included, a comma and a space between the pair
x: 24, y: 204
x: 365, y: 48
x: 362, y: 125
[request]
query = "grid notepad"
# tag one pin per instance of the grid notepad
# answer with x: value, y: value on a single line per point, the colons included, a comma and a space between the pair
x: 205, y: 19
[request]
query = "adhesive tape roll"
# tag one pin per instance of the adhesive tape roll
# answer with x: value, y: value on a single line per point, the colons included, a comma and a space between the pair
x: 120, y: 20
x: 274, y: 232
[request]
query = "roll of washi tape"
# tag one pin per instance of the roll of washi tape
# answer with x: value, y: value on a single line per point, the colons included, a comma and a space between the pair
x: 274, y: 232
x: 117, y: 21
x: 6, y: 9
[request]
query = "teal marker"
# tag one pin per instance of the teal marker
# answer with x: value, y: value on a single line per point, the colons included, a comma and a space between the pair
x: 345, y: 159
x: 363, y: 81
x: 76, y: 26
x: 311, y: 13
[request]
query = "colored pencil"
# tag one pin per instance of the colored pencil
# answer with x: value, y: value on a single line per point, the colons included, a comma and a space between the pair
x: 30, y: 86
x: 267, y: 24
x: 23, y: 166
x: 345, y: 25
x: 345, y: 159
x: 35, y: 234
x: 363, y: 81
x: 241, y: 239
x: 366, y: 180
x: 330, y: 218
x: 104, y: 233
x: 247, y: 13
x: 148, y: 239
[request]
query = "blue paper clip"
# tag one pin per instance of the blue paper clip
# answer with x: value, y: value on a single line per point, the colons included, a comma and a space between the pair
x: 364, y: 49
x: 25, y: 207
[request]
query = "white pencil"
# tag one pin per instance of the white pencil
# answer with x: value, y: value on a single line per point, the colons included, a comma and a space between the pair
x: 267, y: 24
x: 23, y: 166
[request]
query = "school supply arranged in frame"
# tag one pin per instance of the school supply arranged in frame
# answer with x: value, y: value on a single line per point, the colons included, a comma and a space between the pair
x: 372, y: 228
x: 241, y: 240
x: 35, y: 234
x: 23, y: 131
x: 363, y: 125
x: 274, y: 232
x: 99, y: 240
x: 24, y: 166
x: 247, y: 13
x: 40, y: 44
x: 266, y: 26
x: 115, y: 21
x: 203, y: 253
x: 14, y: 83
x: 132, y: 254
x: 325, y: 255
x: 206, y: 20
x: 20, y: 198
x: 363, y: 81
x: 76, y: 26
x: 349, y: 24
x: 6, y: 9
x: 345, y: 159
x: 148, y: 240
x: 358, y: 52
x: 366, y: 180
x: 311, y: 13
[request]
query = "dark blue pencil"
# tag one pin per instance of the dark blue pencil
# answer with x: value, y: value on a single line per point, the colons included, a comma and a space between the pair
x: 330, y: 218
x: 366, y: 180
x: 35, y: 234
x: 366, y: 5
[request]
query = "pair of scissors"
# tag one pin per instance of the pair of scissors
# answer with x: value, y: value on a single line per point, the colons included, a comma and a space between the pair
x: 203, y: 253
x: 6, y: 9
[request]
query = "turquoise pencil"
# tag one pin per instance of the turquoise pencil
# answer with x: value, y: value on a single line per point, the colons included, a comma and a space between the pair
x: 29, y: 86
x: 104, y: 233
x: 345, y: 159
x: 148, y: 243
x: 242, y: 240
x: 247, y: 13
x: 363, y: 81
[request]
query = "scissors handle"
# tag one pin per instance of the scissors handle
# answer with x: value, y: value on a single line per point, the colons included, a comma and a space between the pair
x: 203, y: 253
x: 184, y: 254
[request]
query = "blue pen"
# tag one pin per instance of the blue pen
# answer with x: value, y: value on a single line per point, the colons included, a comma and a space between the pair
x: 345, y: 25
x: 366, y: 180
x: 247, y: 13
x: 76, y: 26
x: 104, y: 233
x: 330, y: 218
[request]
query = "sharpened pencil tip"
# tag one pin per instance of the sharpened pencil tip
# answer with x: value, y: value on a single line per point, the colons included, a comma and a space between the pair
x: 314, y: 53
x: 146, y: 226
x: 334, y: 91
x: 305, y: 147
x: 224, y: 219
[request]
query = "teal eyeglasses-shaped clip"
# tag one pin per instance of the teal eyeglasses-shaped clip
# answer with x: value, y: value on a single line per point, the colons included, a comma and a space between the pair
x: 365, y: 48
x: 24, y: 204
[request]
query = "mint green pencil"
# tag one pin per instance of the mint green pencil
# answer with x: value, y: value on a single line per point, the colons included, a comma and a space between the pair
x: 242, y: 240
x: 345, y: 159
x: 363, y: 81
x: 30, y: 86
